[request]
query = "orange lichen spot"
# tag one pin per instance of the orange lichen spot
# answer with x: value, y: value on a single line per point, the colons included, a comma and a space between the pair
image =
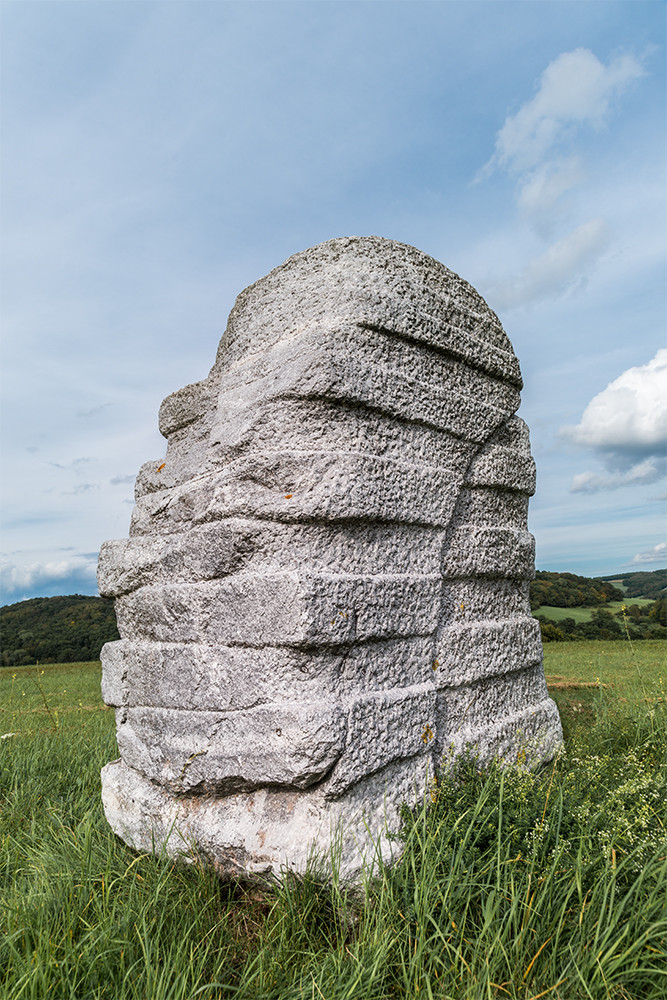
x: 288, y: 496
x: 427, y: 734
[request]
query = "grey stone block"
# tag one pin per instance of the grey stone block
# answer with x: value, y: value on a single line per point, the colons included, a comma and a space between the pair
x: 228, y: 678
x: 221, y: 752
x: 470, y: 651
x: 325, y: 589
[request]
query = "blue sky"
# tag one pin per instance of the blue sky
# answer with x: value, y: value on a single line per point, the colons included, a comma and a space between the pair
x: 159, y: 157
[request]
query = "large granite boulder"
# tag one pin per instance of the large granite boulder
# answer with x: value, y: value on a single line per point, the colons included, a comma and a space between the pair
x: 325, y: 588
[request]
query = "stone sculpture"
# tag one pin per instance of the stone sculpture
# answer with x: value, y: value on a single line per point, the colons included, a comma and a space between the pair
x: 325, y: 587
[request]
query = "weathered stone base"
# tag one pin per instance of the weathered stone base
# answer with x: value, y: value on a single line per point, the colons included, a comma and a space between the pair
x: 269, y: 830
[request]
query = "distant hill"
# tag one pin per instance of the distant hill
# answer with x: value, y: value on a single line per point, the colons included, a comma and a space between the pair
x: 614, y: 615
x: 73, y: 629
x: 641, y: 584
x: 567, y: 590
x: 55, y: 630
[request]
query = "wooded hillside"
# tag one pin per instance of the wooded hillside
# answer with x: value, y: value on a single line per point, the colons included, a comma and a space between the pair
x: 566, y: 590
x: 56, y: 630
x: 630, y: 621
x: 641, y: 584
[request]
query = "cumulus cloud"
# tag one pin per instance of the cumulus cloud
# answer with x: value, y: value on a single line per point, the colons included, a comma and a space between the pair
x: 15, y: 578
x: 564, y: 265
x: 630, y: 414
x: 640, y: 474
x: 575, y: 88
x: 657, y: 554
x: 626, y: 426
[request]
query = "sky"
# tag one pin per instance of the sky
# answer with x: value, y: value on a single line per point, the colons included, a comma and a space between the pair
x: 158, y: 157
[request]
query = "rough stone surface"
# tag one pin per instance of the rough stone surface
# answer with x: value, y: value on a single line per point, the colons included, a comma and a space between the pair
x: 325, y: 588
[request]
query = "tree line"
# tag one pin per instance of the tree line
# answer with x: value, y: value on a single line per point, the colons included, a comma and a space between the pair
x: 633, y: 622
x: 73, y: 629
x: 642, y: 583
x: 566, y: 590
x: 56, y: 630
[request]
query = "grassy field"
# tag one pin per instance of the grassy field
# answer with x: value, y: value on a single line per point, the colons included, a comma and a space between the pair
x: 634, y: 671
x: 585, y: 614
x: 51, y: 696
x: 511, y: 884
x: 578, y: 673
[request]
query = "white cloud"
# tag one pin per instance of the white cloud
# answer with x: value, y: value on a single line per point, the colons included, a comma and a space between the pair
x: 563, y: 265
x: 16, y: 578
x: 630, y: 414
x: 626, y: 425
x: 575, y: 88
x: 540, y: 189
x: 640, y: 474
x: 534, y: 145
x: 82, y: 488
x: 657, y: 554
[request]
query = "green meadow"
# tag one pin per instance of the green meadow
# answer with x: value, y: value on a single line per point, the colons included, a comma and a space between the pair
x: 625, y: 673
x: 585, y: 614
x: 52, y: 697
x: 511, y: 884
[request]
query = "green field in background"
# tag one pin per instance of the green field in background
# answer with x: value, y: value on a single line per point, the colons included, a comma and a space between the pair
x: 633, y: 671
x: 51, y: 696
x: 66, y: 695
x: 585, y: 614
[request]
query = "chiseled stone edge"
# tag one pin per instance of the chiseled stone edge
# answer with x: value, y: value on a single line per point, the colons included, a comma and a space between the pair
x: 217, y: 549
x: 283, y: 608
x: 282, y: 744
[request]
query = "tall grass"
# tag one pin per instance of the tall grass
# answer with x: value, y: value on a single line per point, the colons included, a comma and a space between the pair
x: 511, y: 884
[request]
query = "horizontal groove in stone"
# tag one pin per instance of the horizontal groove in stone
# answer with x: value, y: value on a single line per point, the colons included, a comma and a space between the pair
x: 458, y: 343
x: 319, y: 486
x: 283, y: 608
x: 320, y: 425
x: 228, y: 678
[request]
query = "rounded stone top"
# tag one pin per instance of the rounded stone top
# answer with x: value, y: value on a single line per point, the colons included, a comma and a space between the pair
x: 374, y: 283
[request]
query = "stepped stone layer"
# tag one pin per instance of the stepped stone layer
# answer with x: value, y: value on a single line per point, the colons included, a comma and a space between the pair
x: 325, y: 589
